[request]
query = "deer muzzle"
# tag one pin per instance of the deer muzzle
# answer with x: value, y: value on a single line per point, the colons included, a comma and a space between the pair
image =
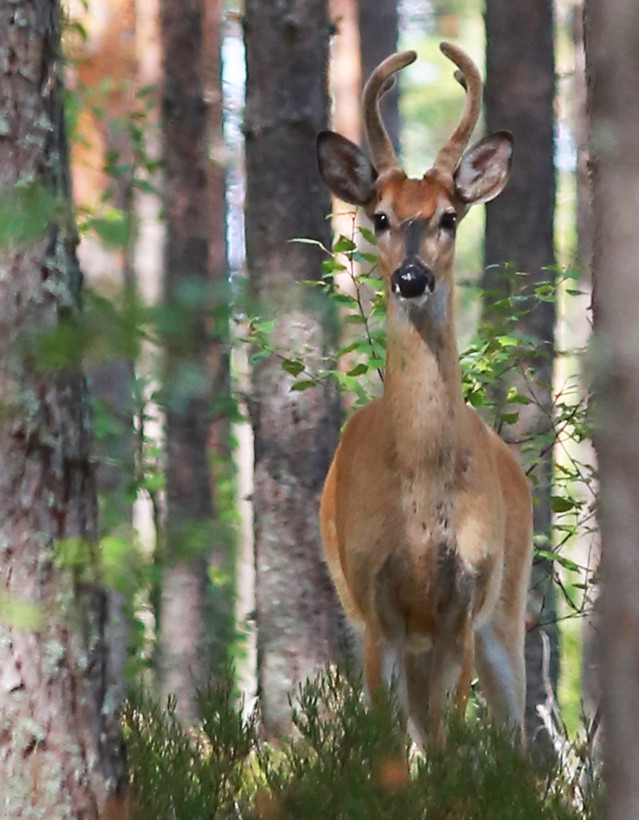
x: 412, y: 279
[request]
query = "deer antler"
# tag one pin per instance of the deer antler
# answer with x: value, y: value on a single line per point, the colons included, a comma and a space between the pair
x: 382, y: 152
x: 468, y: 76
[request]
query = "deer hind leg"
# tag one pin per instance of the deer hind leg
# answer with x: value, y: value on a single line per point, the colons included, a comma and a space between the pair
x: 429, y: 677
x: 502, y: 670
x: 467, y: 665
x: 384, y: 665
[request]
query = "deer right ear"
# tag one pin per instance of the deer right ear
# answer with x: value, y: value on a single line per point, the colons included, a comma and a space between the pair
x: 345, y: 169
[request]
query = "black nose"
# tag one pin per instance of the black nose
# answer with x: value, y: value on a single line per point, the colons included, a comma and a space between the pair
x: 412, y: 279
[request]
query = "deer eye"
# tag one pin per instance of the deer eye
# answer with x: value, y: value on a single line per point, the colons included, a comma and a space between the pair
x: 381, y: 222
x: 448, y: 221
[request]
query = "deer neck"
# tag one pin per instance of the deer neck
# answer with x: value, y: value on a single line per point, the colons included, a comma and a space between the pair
x: 422, y: 388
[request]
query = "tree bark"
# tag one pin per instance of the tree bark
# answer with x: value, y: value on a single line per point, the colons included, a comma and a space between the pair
x: 612, y: 29
x: 184, y: 644
x: 378, y: 31
x: 520, y: 87
x: 60, y: 751
x: 222, y: 557
x: 108, y: 62
x: 295, y: 432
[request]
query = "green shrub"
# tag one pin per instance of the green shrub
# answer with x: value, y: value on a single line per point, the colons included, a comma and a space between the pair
x: 342, y: 760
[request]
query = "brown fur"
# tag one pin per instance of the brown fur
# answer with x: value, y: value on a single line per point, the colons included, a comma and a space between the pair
x: 426, y: 515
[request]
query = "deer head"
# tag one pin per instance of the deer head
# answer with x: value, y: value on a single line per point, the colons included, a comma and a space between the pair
x: 415, y: 220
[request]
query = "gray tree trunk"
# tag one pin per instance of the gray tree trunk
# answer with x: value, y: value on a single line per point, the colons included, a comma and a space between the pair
x: 612, y: 29
x: 60, y: 754
x: 221, y: 625
x: 184, y: 642
x: 520, y: 84
x: 378, y: 32
x: 295, y: 432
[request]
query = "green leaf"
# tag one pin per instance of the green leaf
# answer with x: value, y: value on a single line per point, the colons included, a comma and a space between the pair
x: 344, y: 245
x: 368, y: 235
x: 329, y: 266
x: 558, y: 558
x: 302, y: 240
x: 358, y: 370
x: 517, y: 398
x: 562, y: 504
x: 292, y: 366
x: 303, y: 384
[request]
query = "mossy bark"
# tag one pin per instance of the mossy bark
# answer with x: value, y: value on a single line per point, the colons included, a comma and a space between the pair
x: 60, y: 751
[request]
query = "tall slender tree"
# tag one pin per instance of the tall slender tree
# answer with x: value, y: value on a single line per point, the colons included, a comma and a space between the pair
x: 295, y: 431
x: 221, y: 617
x: 191, y: 532
x: 612, y: 27
x: 520, y: 84
x: 107, y: 66
x: 378, y: 33
x: 60, y: 754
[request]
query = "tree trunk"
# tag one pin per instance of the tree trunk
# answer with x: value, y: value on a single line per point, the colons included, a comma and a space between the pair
x: 60, y: 753
x: 378, y: 30
x: 612, y: 29
x: 108, y: 62
x: 222, y: 606
x: 519, y: 235
x: 295, y: 431
x: 184, y: 645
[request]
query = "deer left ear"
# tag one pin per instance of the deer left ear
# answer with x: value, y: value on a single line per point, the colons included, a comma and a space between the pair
x: 345, y: 169
x: 484, y: 169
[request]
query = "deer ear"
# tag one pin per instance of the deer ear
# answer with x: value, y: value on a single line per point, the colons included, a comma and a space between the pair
x: 484, y: 169
x: 345, y: 169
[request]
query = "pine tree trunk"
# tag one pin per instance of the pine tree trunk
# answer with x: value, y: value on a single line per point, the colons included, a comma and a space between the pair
x: 295, y: 431
x: 222, y: 557
x: 520, y: 86
x: 612, y: 29
x: 107, y: 68
x: 378, y: 31
x: 184, y: 644
x: 60, y: 752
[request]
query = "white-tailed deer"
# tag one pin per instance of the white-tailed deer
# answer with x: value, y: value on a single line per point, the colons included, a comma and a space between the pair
x: 426, y: 515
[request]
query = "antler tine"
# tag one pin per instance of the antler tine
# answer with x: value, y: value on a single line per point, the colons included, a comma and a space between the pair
x: 470, y: 79
x: 382, y: 152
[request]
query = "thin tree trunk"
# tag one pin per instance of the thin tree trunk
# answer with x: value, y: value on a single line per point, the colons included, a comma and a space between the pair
x: 108, y: 62
x: 295, y: 431
x: 612, y: 29
x: 584, y: 186
x: 222, y: 557
x: 184, y: 646
x: 378, y: 32
x: 60, y: 752
x: 520, y: 86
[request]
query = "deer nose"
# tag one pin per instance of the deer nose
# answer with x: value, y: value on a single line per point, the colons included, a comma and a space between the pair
x: 412, y: 279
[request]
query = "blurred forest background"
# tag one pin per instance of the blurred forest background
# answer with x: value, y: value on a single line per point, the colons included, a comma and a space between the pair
x: 226, y: 328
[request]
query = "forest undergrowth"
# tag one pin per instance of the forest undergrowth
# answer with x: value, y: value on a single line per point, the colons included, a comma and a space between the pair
x: 342, y: 760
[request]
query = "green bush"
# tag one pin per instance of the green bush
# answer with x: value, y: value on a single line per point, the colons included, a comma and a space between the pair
x: 342, y: 760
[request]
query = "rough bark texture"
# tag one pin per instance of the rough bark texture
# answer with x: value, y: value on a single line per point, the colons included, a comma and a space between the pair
x: 60, y: 755
x: 612, y: 33
x: 295, y: 432
x: 519, y: 233
x: 378, y: 24
x: 184, y: 647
